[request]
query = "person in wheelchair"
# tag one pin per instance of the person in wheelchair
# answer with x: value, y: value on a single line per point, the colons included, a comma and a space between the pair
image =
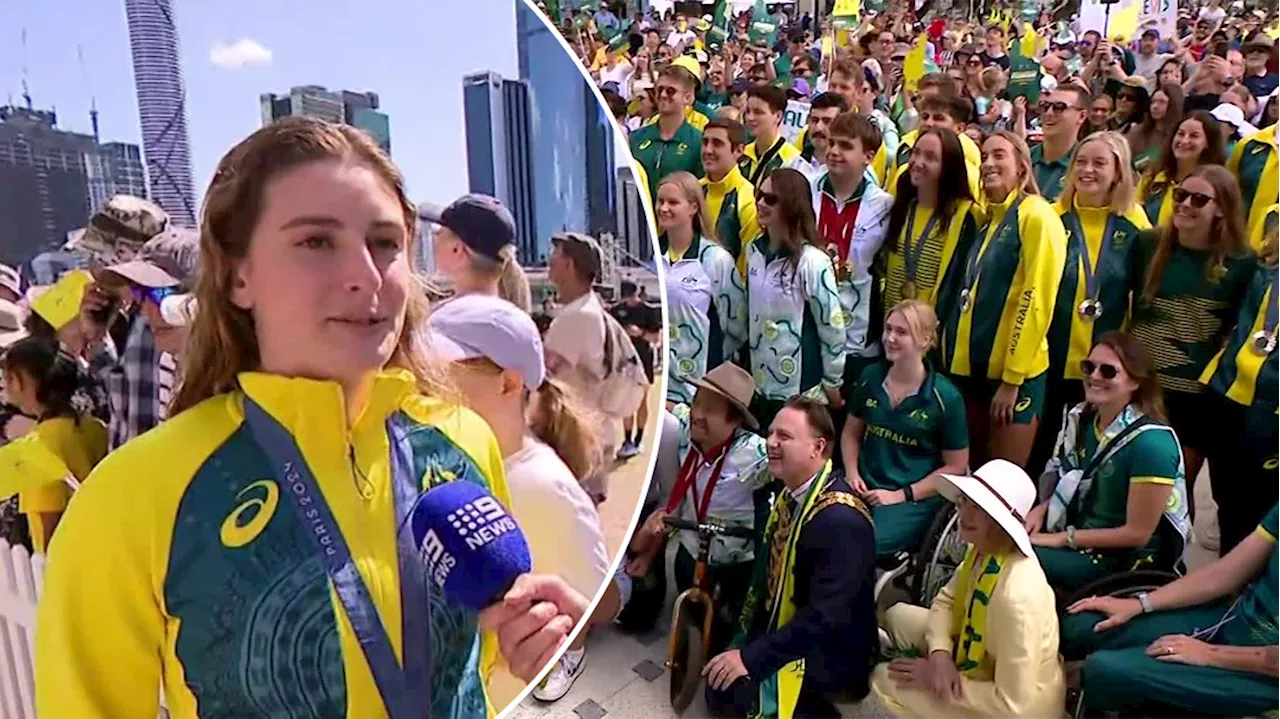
x: 722, y: 465
x: 988, y: 645
x: 906, y: 425
x: 1116, y: 473
x: 1205, y: 643
x: 808, y: 626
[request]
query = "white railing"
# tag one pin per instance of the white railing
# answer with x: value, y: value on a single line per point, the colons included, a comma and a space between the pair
x: 21, y: 581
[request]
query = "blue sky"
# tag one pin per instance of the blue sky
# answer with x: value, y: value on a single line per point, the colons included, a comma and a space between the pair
x: 413, y: 53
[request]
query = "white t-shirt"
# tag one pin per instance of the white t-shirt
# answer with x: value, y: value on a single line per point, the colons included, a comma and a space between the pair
x: 1213, y: 15
x: 676, y: 37
x: 577, y: 336
x: 563, y: 530
x: 619, y: 73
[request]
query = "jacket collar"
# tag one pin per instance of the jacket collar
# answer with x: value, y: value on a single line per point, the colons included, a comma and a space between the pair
x: 731, y: 181
x: 297, y: 401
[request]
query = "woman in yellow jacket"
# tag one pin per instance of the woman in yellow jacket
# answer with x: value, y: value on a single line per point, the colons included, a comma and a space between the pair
x: 1102, y: 223
x: 41, y: 381
x: 1198, y: 140
x: 995, y: 341
x: 193, y: 561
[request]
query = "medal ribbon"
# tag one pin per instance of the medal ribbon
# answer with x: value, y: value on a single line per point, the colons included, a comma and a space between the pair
x: 1273, y: 310
x: 978, y: 254
x: 911, y: 255
x: 1077, y: 231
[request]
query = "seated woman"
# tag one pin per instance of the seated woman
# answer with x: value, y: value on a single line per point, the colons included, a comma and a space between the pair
x: 1206, y: 643
x: 1116, y: 471
x: 906, y: 425
x: 952, y: 661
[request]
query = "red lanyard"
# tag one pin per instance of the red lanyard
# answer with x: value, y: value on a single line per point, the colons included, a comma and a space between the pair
x: 686, y: 481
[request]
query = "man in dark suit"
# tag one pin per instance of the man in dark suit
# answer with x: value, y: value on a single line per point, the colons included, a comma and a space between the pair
x: 808, y: 627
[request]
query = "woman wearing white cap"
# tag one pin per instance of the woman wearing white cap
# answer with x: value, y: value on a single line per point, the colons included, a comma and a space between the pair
x: 988, y: 647
x: 498, y: 363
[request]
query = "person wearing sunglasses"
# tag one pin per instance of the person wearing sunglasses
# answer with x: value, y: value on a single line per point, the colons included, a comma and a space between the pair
x: 1100, y: 112
x: 1198, y: 140
x: 994, y: 338
x: 1116, y: 473
x: 1132, y: 104
x: 1190, y: 277
x: 671, y: 143
x: 931, y: 222
x: 795, y: 319
x: 1243, y: 380
x: 1102, y: 222
x: 1062, y: 114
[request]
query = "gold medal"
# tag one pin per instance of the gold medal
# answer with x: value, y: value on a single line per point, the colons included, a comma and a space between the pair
x: 1262, y: 343
x: 1090, y: 310
x: 909, y: 290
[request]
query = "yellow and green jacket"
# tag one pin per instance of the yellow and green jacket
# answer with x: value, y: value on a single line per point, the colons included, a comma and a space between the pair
x: 181, y: 563
x: 1254, y: 162
x: 35, y: 466
x: 1239, y: 373
x: 1071, y: 337
x: 1155, y: 192
x: 940, y: 259
x: 755, y: 166
x: 731, y: 205
x: 891, y: 169
x: 1265, y: 222
x: 1004, y: 333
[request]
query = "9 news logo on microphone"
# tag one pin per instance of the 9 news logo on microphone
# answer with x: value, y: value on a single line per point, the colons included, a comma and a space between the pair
x: 477, y: 523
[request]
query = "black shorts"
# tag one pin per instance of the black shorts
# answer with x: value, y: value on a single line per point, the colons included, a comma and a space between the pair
x: 645, y: 350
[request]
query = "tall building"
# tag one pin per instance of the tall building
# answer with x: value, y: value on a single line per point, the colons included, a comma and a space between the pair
x: 633, y: 234
x: 358, y: 109
x: 157, y: 76
x: 499, y: 154
x: 572, y: 137
x: 51, y: 180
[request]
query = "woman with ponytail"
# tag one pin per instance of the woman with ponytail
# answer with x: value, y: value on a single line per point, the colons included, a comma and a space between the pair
x: 474, y: 246
x: 547, y: 441
x: 41, y: 381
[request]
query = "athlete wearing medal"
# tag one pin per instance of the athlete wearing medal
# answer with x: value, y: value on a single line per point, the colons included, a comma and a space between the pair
x: 930, y: 225
x: 1243, y: 377
x: 1102, y: 223
x: 995, y: 342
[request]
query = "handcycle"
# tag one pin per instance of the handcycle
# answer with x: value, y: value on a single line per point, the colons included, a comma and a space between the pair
x: 693, y: 618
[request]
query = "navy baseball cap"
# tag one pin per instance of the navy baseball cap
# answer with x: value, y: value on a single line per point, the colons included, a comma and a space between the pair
x: 480, y: 221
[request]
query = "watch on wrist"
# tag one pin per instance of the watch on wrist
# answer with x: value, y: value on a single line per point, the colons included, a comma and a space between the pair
x: 1071, y: 537
x: 1144, y: 598
x: 909, y: 493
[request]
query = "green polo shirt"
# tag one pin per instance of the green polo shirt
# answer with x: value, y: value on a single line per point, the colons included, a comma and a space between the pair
x: 903, y: 444
x: 1050, y: 176
x: 1258, y: 606
x: 661, y: 157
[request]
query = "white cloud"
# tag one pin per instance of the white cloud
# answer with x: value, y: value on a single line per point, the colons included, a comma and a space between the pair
x: 239, y: 54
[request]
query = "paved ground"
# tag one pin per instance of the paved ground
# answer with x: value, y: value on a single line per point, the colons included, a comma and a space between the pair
x: 625, y: 678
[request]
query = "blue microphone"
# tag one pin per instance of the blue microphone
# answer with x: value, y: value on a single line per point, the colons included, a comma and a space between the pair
x: 473, y: 548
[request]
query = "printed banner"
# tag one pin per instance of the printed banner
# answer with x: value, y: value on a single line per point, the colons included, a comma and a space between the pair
x: 794, y: 119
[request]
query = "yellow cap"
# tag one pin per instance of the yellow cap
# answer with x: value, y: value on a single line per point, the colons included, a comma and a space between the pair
x: 690, y: 64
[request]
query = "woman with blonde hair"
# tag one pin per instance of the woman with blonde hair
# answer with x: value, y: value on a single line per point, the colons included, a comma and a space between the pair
x: 1190, y: 277
x: 706, y: 299
x: 474, y: 246
x: 301, y: 371
x: 995, y: 341
x: 547, y: 440
x: 1102, y: 220
x: 906, y: 426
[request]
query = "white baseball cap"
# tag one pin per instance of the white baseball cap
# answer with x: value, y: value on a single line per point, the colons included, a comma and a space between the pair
x: 476, y: 325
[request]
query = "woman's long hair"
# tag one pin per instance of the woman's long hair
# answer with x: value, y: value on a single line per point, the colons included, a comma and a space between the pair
x: 223, y: 341
x: 1158, y: 132
x: 1123, y: 190
x: 55, y: 374
x: 1227, y: 233
x: 1137, y: 363
x: 1027, y: 179
x: 1215, y: 151
x: 513, y: 284
x: 689, y: 187
x: 950, y: 193
x: 795, y: 207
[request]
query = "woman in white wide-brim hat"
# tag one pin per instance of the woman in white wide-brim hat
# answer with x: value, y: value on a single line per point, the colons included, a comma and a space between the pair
x: 989, y: 644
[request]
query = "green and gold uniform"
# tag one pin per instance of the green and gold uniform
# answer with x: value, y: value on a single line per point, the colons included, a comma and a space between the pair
x: 182, y: 563
x: 1155, y: 192
x: 1264, y: 224
x: 1184, y: 324
x: 80, y: 443
x: 731, y: 205
x: 1255, y: 163
x: 1051, y: 177
x: 890, y: 170
x: 928, y: 271
x: 1243, y: 378
x: 756, y: 166
x: 660, y: 157
x: 1119, y: 677
x: 999, y: 335
x: 902, y: 445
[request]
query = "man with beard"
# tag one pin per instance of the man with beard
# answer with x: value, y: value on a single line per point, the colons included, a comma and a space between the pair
x: 731, y: 203
x: 808, y: 625
x: 671, y: 143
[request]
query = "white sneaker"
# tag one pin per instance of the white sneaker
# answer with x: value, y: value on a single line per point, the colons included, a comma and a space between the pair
x: 562, y: 676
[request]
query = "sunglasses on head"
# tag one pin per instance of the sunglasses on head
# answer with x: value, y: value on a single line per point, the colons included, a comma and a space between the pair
x: 1198, y: 199
x: 1107, y: 371
x: 155, y: 294
x: 767, y: 198
x: 1058, y: 107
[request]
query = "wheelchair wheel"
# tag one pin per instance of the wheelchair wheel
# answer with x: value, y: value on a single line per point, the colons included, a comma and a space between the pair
x: 1124, y: 584
x: 939, y: 556
x: 686, y: 661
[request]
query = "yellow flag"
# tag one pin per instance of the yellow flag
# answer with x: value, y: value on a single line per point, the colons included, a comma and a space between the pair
x: 845, y: 8
x: 60, y: 304
x: 913, y: 65
x: 1029, y: 41
x: 1124, y: 23
x: 27, y: 463
x: 828, y: 47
